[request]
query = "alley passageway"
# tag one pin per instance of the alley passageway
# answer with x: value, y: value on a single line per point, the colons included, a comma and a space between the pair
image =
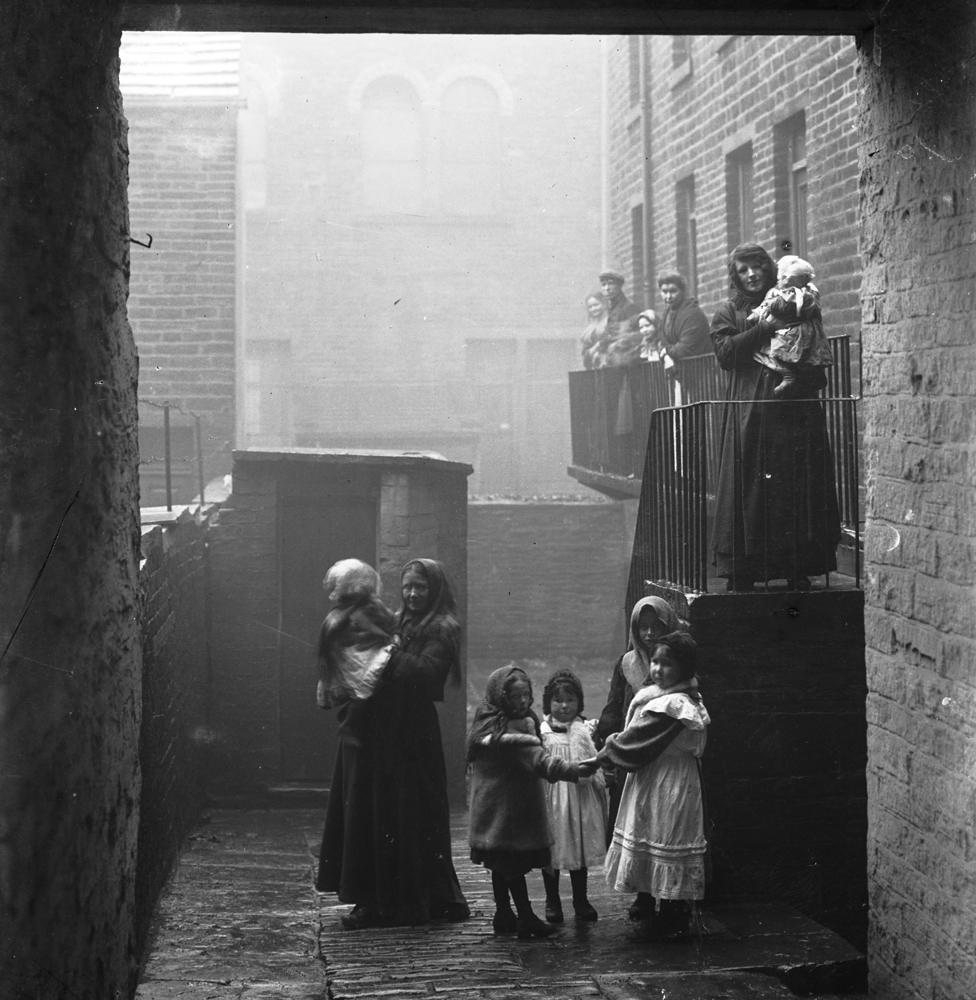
x: 240, y: 919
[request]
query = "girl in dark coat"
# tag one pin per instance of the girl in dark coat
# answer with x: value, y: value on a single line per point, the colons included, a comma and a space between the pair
x: 776, y: 507
x: 508, y: 815
x: 387, y: 842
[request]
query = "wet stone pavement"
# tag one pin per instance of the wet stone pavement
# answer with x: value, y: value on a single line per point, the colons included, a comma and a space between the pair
x: 241, y: 920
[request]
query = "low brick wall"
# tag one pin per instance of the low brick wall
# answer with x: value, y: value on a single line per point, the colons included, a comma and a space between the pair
x: 547, y: 579
x: 174, y: 581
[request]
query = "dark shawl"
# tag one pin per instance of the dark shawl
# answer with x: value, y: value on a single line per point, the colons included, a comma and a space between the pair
x: 776, y: 506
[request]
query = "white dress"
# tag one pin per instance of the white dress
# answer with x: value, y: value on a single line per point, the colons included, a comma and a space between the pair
x: 658, y: 844
x: 577, y: 812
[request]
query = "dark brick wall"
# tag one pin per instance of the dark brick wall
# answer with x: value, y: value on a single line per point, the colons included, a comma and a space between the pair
x: 175, y: 584
x: 69, y: 532
x: 182, y: 303
x: 783, y: 679
x: 918, y: 146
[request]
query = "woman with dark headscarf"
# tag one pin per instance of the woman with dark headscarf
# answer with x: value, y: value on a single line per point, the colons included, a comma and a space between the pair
x: 387, y: 842
x: 776, y: 507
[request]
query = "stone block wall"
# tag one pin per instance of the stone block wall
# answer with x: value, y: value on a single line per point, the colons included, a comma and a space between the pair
x: 70, y: 697
x: 918, y: 146
x: 175, y: 582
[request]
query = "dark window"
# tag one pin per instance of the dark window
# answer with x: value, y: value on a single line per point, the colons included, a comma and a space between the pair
x: 791, y: 185
x: 686, y: 225
x: 680, y: 50
x: 634, y: 63
x: 738, y: 195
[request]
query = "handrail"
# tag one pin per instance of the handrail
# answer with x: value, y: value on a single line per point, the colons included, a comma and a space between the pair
x: 674, y: 537
x: 610, y: 408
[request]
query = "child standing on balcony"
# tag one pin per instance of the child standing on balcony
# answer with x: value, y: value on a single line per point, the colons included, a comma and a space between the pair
x: 355, y: 640
x: 799, y: 352
x: 578, y: 813
x: 509, y: 830
x: 658, y: 845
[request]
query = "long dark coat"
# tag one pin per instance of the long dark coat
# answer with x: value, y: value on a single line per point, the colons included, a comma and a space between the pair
x: 776, y: 513
x: 387, y: 838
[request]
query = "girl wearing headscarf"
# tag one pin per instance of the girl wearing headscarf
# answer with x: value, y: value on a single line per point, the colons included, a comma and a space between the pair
x: 387, y: 843
x: 630, y: 672
x: 658, y: 845
x: 508, y: 820
x: 776, y: 506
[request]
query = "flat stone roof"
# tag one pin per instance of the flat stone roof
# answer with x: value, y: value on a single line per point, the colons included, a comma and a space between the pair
x: 353, y: 456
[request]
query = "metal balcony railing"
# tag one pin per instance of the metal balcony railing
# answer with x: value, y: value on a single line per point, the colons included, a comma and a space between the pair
x: 610, y: 408
x: 674, y: 537
x: 663, y: 435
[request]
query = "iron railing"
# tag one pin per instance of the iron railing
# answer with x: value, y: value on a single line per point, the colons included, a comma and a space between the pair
x: 674, y: 537
x: 171, y: 460
x: 610, y: 408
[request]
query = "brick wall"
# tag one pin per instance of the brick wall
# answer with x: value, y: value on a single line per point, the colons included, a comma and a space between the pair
x: 918, y: 217
x: 546, y: 579
x: 182, y: 303
x: 733, y: 90
x: 69, y: 532
x: 175, y: 583
x: 783, y: 678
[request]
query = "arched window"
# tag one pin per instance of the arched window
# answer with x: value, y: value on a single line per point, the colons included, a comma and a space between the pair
x: 470, y: 144
x: 393, y: 160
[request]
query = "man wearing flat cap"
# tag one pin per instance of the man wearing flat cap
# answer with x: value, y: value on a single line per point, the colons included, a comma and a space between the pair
x: 622, y: 333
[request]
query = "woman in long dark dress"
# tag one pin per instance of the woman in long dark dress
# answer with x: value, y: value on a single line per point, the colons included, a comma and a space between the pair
x: 387, y: 842
x: 776, y: 511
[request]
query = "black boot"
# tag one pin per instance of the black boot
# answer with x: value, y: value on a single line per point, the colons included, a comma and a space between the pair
x: 675, y: 918
x: 528, y: 925
x: 641, y: 907
x: 503, y: 922
x: 554, y: 905
x: 581, y: 905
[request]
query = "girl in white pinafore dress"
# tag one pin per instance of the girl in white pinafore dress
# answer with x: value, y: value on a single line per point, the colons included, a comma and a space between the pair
x: 658, y: 845
x: 577, y: 813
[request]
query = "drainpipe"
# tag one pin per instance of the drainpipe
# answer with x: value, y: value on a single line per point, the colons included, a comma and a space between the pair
x: 648, y: 234
x: 604, y: 153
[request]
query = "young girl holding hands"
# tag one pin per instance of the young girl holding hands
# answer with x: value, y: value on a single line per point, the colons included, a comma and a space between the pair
x: 509, y: 830
x: 658, y: 845
x: 578, y: 813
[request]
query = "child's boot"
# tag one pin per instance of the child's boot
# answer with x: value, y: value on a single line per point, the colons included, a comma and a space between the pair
x: 641, y: 907
x: 504, y: 920
x: 675, y: 918
x: 528, y: 925
x: 554, y: 905
x: 581, y: 905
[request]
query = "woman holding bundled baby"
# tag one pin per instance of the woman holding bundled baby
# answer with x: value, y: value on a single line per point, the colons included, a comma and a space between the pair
x: 387, y: 843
